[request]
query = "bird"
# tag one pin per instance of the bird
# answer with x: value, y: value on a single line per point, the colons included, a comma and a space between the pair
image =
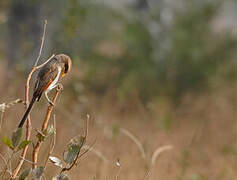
x: 47, y: 79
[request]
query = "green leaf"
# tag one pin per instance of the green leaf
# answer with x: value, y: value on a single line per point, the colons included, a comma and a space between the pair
x: 23, y: 144
x: 16, y: 137
x: 56, y: 161
x: 24, y: 174
x: 7, y: 142
x: 50, y: 130
x: 38, y: 172
x: 40, y: 135
x: 72, y: 152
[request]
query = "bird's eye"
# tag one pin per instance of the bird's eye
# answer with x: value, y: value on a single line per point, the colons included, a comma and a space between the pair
x: 66, y: 67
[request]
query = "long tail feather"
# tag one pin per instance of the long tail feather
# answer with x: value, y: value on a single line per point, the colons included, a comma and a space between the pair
x: 27, y: 112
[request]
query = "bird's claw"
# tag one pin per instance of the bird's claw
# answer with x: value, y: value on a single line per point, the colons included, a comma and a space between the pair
x: 60, y: 87
x: 51, y: 103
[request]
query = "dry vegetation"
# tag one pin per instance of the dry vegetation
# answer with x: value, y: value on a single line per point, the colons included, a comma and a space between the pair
x: 194, y: 141
x: 202, y: 134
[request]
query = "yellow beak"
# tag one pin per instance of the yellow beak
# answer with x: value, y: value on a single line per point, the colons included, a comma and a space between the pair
x: 63, y: 74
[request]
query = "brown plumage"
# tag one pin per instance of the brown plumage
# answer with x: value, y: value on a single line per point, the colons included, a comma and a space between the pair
x: 47, y: 79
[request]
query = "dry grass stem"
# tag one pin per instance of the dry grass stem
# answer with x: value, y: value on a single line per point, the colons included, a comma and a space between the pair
x: 135, y: 140
x: 4, y: 159
x: 147, y: 175
x: 96, y: 152
x: 119, y: 170
x: 158, y: 151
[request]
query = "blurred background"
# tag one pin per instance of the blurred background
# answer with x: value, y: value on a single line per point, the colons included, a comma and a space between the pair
x: 164, y: 70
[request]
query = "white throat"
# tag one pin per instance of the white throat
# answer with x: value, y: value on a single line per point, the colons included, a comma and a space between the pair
x: 54, y: 83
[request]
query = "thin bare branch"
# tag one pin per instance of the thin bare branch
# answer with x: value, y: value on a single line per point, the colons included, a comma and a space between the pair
x: 27, y: 87
x: 87, y: 125
x: 42, y: 43
x: 119, y: 170
x: 3, y: 108
x: 76, y: 159
x: 96, y: 152
x: 40, y: 66
x: 44, y: 126
x: 1, y: 120
x: 4, y: 159
x: 82, y: 143
x: 26, y: 160
x: 90, y: 147
x: 52, y: 142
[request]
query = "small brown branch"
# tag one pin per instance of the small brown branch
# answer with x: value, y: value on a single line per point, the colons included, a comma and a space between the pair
x: 119, y: 170
x: 40, y: 66
x: 27, y: 87
x: 3, y: 108
x: 78, y: 155
x: 26, y: 160
x: 84, y: 138
x: 44, y: 126
x: 42, y: 43
x: 96, y: 152
x: 52, y: 143
x: 88, y: 149
x: 1, y: 120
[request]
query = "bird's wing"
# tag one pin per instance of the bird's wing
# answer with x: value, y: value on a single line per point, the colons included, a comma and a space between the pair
x: 45, y: 77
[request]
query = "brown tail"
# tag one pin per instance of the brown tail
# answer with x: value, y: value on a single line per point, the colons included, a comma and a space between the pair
x: 27, y: 112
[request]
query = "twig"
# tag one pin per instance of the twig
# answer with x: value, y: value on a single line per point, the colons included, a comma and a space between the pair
x: 40, y: 66
x: 74, y: 162
x: 117, y: 175
x: 87, y: 125
x: 89, y: 149
x: 1, y: 120
x: 8, y: 165
x: 96, y: 152
x: 83, y: 141
x: 52, y: 143
x: 3, y: 108
x: 119, y: 170
x: 135, y: 140
x: 4, y: 159
x: 44, y: 126
x: 27, y: 87
x: 26, y: 160
x: 42, y: 43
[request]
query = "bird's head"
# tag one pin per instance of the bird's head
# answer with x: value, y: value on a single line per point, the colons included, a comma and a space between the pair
x: 66, y: 63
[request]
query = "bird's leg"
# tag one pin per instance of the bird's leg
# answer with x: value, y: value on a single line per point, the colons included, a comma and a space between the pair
x: 46, y: 95
x: 59, y: 86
